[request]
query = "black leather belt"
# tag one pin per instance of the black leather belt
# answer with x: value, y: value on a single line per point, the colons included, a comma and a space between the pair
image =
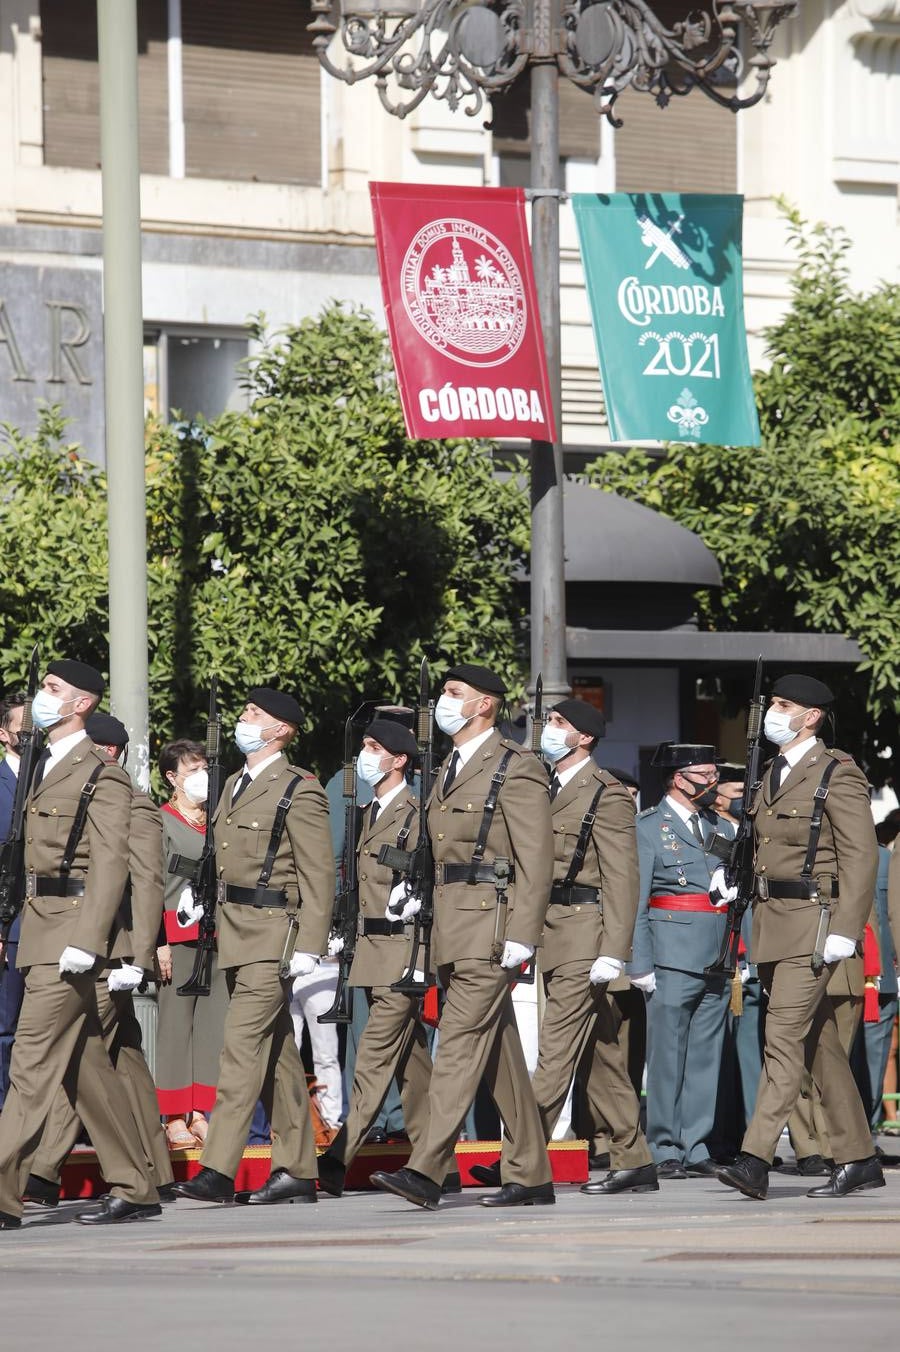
x: 570, y: 894
x: 255, y: 896
x: 799, y: 889
x: 465, y: 873
x: 366, y: 928
x: 53, y: 887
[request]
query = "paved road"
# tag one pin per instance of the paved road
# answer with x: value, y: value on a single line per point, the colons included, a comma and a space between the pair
x: 694, y: 1266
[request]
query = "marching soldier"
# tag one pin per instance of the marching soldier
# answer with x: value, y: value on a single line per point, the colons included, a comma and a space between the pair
x: 274, y: 863
x: 815, y: 862
x: 394, y: 1042
x: 131, y: 948
x: 489, y: 813
x: 680, y: 925
x: 77, y: 856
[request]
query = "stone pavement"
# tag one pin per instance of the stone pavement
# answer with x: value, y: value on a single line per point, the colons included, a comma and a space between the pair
x: 694, y: 1266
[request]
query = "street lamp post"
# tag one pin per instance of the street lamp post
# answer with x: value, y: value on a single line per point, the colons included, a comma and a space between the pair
x: 460, y: 51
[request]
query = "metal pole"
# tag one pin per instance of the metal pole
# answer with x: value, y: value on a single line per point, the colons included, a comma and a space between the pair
x: 548, y: 585
x: 124, y: 373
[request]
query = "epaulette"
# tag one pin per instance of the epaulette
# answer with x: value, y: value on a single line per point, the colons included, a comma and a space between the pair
x: 304, y: 774
x: 648, y: 811
x: 509, y: 745
x: 842, y: 757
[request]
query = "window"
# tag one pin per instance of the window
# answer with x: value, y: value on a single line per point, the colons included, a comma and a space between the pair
x: 193, y: 372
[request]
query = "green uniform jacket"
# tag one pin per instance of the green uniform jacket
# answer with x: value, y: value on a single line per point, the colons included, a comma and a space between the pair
x: 381, y: 959
x: 520, y: 831
x: 50, y: 924
x: 303, y: 867
x: 786, y: 928
x: 573, y: 933
x: 136, y: 926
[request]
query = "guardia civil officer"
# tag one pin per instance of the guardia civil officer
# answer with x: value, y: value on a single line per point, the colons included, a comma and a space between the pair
x: 276, y: 884
x: 680, y: 925
x: 585, y: 945
x: 130, y: 952
x: 394, y: 1043
x: 78, y: 817
x: 490, y: 803
x: 816, y: 860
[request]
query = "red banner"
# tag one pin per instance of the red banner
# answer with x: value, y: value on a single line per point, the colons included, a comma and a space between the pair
x: 462, y: 312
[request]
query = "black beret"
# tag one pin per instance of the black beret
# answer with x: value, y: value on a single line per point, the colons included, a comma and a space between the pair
x: 805, y: 690
x: 275, y: 702
x: 583, y: 716
x: 78, y: 674
x: 480, y: 678
x: 623, y: 777
x: 106, y: 730
x: 681, y: 755
x: 393, y: 736
x: 730, y: 773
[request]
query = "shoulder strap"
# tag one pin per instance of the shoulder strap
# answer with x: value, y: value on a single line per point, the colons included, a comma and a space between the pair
x: 403, y: 833
x: 81, y: 812
x: 490, y: 803
x: 578, y: 854
x: 815, y: 825
x: 281, y: 811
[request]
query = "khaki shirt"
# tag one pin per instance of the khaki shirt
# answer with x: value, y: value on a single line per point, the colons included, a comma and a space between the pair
x: 464, y: 916
x: 381, y: 959
x: 578, y: 933
x: 303, y: 866
x: 847, y: 851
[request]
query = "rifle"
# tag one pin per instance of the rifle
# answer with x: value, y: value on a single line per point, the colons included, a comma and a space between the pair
x: 346, y: 906
x: 739, y: 867
x: 417, y: 865
x: 12, y: 853
x: 204, y: 884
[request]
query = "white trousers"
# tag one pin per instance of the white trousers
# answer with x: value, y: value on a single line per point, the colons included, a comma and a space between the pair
x: 525, y: 1004
x: 311, y: 996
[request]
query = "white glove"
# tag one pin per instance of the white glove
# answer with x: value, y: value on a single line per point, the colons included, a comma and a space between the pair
x: 719, y: 892
x: 125, y: 978
x: 76, y: 960
x: 645, y: 982
x: 302, y: 964
x: 515, y: 954
x: 402, y: 904
x: 188, y: 911
x: 838, y: 948
x: 744, y: 970
x: 606, y: 969
x: 335, y: 945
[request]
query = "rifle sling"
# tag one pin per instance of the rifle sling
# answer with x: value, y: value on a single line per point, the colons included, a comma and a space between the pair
x: 498, y: 778
x: 278, y: 825
x: 576, y: 863
x: 815, y: 825
x: 78, y: 824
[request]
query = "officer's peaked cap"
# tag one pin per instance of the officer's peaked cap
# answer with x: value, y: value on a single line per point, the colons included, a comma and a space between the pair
x: 393, y: 736
x: 730, y: 773
x: 395, y: 713
x: 106, y: 730
x: 680, y: 755
x: 480, y: 678
x: 583, y: 716
x: 805, y: 690
x: 275, y: 702
x: 78, y: 674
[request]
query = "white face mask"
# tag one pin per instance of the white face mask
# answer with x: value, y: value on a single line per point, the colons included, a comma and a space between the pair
x: 46, y: 709
x: 249, y: 737
x: 368, y: 767
x: 553, y: 743
x: 777, y: 727
x: 196, y: 786
x: 448, y: 714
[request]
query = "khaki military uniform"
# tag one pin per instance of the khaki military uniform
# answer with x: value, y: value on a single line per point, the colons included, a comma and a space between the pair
x: 478, y: 1033
x: 59, y: 1040
x: 259, y: 1056
x: 579, y: 1025
x: 800, y: 1024
x: 133, y: 940
x: 394, y: 1041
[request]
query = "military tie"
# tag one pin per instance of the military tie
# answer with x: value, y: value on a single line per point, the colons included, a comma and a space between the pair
x: 242, y: 783
x: 42, y: 763
x: 451, y: 770
x: 373, y: 815
x: 555, y: 785
x: 697, y: 829
x: 779, y: 765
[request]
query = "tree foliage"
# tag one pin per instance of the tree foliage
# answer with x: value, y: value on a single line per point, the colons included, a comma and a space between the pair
x: 305, y: 541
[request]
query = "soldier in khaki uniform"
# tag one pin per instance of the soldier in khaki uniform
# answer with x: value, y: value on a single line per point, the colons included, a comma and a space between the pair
x: 800, y: 1023
x: 482, y: 936
x: 76, y: 880
x: 130, y: 957
x: 261, y: 922
x: 394, y: 1041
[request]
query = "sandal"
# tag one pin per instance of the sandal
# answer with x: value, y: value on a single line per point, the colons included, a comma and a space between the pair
x: 178, y: 1136
x: 198, y: 1128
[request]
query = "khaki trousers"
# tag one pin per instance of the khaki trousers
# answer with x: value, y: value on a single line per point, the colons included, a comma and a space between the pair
x: 121, y: 1035
x: 808, y: 1123
x: 479, y: 1038
x: 260, y: 1060
x: 578, y: 1030
x: 393, y: 1044
x: 801, y: 1034
x: 59, y: 1042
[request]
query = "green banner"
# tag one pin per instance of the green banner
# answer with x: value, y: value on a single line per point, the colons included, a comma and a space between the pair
x: 665, y: 287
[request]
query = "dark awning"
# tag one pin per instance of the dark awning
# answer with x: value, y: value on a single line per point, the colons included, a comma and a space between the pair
x: 674, y: 646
